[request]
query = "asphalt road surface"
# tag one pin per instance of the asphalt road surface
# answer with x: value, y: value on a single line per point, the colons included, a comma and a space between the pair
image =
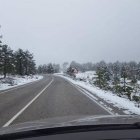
x: 48, y: 98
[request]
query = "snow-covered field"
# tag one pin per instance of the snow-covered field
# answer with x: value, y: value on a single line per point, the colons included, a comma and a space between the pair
x: 89, y: 75
x: 14, y: 81
x: 130, y: 107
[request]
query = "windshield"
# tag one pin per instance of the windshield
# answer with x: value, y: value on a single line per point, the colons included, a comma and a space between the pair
x: 69, y: 60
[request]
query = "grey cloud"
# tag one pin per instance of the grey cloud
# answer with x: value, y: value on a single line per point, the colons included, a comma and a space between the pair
x: 66, y: 30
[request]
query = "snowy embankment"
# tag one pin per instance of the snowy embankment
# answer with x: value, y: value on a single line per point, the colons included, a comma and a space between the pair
x: 120, y: 102
x: 14, y: 81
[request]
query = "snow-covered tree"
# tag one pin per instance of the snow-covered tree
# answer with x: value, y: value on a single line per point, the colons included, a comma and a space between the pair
x: 56, y: 68
x: 50, y: 68
x: 6, y: 60
x: 19, y: 55
x: 24, y: 62
x: 102, y: 76
x: 65, y: 66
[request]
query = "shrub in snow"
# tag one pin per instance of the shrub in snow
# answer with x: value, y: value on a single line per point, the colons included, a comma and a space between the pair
x: 137, y: 99
x: 9, y: 81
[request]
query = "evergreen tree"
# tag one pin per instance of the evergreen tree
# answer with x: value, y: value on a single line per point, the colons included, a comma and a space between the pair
x: 20, y: 62
x: 25, y: 64
x: 0, y: 52
x: 56, y: 68
x: 65, y: 66
x: 40, y: 69
x: 19, y: 55
x: 0, y: 55
x: 6, y: 60
x: 124, y: 76
x: 102, y: 77
x: 50, y: 68
x: 29, y: 63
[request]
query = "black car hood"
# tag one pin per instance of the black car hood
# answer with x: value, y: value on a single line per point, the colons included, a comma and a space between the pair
x: 70, y: 121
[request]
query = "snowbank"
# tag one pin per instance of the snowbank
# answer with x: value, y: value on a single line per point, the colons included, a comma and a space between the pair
x: 14, y: 81
x: 86, y: 75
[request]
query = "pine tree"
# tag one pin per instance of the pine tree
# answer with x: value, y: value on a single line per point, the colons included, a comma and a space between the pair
x: 19, y: 55
x: 50, y: 68
x: 0, y: 53
x: 102, y: 77
x: 40, y: 69
x: 56, y: 68
x: 124, y: 76
x: 6, y: 60
x: 65, y: 66
x: 29, y: 63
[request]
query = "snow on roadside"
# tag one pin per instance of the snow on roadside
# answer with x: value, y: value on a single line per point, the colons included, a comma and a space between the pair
x: 86, y: 75
x: 14, y: 81
x: 122, y: 103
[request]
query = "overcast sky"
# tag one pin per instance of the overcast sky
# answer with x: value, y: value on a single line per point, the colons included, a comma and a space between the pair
x: 65, y: 30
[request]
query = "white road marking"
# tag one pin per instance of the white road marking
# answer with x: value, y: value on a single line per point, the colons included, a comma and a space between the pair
x: 89, y: 96
x: 23, y: 109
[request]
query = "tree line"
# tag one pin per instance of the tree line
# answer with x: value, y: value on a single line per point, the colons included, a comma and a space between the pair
x: 48, y: 68
x: 121, y: 78
x: 16, y: 62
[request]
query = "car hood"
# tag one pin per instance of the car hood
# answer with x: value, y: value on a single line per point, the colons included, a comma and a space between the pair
x: 70, y: 121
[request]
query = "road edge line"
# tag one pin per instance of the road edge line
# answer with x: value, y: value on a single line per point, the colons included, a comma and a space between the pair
x: 27, y: 105
x: 90, y: 97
